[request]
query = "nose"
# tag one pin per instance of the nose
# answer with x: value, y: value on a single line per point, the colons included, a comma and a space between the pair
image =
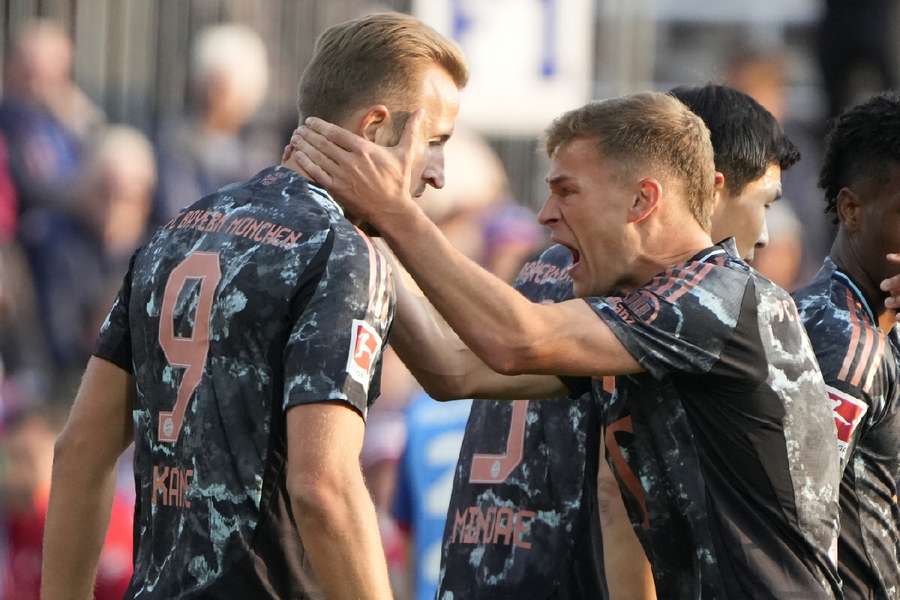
x: 549, y: 214
x: 763, y: 240
x: 433, y: 174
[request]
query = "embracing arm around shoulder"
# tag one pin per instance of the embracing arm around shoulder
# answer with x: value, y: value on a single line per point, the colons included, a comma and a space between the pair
x: 333, y: 508
x: 81, y: 494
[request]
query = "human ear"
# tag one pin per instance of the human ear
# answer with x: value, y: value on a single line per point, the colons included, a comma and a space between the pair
x: 646, y: 200
x: 849, y: 209
x: 372, y: 121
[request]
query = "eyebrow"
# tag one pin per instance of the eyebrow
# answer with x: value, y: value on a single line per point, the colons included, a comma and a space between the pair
x: 557, y: 179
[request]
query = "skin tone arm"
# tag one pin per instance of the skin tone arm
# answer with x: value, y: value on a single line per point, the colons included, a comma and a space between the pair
x: 628, y: 574
x: 81, y: 494
x: 509, y: 333
x: 443, y: 364
x: 334, y: 511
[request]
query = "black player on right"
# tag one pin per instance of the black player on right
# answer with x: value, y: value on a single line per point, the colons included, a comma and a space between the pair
x: 857, y: 341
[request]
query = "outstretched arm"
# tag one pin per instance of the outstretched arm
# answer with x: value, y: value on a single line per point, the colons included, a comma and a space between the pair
x: 509, y: 333
x: 81, y: 493
x: 443, y: 364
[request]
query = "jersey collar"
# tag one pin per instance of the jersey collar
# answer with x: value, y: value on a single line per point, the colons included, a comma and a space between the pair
x: 848, y: 281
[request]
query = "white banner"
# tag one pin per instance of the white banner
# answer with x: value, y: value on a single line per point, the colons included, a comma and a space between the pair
x: 529, y: 60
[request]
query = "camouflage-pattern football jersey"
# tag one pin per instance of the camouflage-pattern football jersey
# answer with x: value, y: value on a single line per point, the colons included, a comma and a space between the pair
x: 723, y: 449
x: 861, y: 369
x: 256, y: 299
x: 522, y: 521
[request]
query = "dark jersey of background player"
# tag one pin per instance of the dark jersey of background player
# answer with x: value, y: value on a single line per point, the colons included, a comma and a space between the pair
x: 730, y: 476
x: 861, y: 368
x: 253, y: 300
x: 522, y: 521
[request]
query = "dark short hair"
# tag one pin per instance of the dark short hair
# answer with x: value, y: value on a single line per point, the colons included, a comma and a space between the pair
x: 746, y: 138
x: 861, y: 144
x: 373, y: 59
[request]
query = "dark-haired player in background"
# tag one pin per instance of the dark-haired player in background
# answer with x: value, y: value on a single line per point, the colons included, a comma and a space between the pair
x: 857, y: 340
x: 536, y: 462
x: 241, y: 357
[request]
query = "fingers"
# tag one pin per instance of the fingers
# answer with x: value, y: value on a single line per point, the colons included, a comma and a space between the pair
x: 286, y: 153
x: 318, y: 174
x: 411, y: 129
x: 322, y: 145
x: 338, y: 136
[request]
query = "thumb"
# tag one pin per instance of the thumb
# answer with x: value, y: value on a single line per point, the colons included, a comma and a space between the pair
x: 412, y: 129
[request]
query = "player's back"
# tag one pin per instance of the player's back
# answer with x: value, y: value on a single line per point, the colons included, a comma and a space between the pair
x: 221, y: 307
x: 523, y: 515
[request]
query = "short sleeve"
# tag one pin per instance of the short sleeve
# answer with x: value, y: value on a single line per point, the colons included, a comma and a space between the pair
x: 335, y: 347
x: 855, y: 374
x: 682, y: 321
x: 114, y: 341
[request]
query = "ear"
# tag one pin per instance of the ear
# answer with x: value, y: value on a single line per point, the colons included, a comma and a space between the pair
x: 646, y: 200
x: 372, y: 121
x: 719, y: 184
x: 849, y: 209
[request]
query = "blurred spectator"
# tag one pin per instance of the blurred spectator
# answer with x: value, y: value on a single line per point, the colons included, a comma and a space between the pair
x: 856, y: 51
x: 197, y: 156
x: 44, y: 116
x: 780, y: 259
x: 511, y: 235
x: 78, y: 256
x: 763, y: 75
x: 28, y: 438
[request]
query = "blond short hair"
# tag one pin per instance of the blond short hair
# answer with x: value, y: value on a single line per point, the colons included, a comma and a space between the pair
x: 643, y: 130
x: 373, y: 59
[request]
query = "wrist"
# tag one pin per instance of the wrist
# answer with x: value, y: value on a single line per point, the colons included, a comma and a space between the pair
x: 398, y: 217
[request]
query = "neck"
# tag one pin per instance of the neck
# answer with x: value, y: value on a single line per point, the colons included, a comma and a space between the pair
x: 846, y: 258
x: 649, y: 265
x: 293, y: 166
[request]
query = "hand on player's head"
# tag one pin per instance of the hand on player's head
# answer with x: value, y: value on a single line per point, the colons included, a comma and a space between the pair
x: 371, y: 180
x: 891, y: 285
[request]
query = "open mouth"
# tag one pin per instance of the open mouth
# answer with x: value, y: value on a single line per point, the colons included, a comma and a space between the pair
x: 576, y: 255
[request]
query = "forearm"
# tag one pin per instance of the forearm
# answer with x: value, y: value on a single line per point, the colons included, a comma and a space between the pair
x: 490, y: 316
x: 340, y: 534
x: 77, y: 518
x: 628, y: 574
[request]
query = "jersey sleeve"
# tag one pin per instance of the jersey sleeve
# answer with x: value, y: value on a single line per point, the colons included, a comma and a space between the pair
x: 335, y: 347
x: 851, y: 357
x: 114, y: 340
x: 681, y: 322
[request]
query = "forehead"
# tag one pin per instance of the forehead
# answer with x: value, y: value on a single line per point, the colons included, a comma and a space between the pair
x: 578, y: 159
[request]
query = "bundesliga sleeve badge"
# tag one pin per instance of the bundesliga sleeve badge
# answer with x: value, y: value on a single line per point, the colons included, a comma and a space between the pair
x: 365, y: 343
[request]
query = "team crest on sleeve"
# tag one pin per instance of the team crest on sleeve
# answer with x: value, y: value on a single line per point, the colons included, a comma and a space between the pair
x: 365, y: 344
x: 848, y: 413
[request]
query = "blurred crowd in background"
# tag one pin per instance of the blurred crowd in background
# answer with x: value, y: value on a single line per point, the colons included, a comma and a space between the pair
x: 86, y: 173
